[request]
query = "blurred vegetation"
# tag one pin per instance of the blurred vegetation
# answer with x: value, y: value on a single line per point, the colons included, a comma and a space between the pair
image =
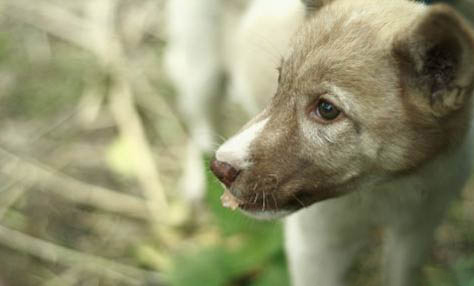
x: 90, y: 155
x: 246, y: 252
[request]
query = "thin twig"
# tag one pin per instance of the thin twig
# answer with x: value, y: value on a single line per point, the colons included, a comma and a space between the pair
x: 10, y: 195
x: 67, y: 277
x: 62, y: 255
x: 95, y: 33
x: 53, y: 181
x: 110, y: 51
x: 131, y: 129
x: 53, y: 19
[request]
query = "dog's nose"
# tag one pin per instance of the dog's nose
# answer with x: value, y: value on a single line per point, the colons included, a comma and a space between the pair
x: 224, y: 172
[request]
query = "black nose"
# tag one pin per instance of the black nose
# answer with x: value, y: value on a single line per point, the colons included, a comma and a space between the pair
x: 224, y: 172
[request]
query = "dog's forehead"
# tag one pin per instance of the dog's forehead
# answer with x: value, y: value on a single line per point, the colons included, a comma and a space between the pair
x: 349, y: 33
x: 345, y: 61
x: 338, y: 43
x: 347, y: 51
x: 348, y: 45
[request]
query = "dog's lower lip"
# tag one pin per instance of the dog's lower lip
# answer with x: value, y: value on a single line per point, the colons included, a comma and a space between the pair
x: 249, y: 207
x: 228, y: 200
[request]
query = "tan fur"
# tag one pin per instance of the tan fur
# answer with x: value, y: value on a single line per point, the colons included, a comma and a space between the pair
x: 392, y: 124
x: 402, y: 74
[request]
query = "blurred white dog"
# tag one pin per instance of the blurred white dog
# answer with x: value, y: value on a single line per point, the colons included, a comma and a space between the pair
x: 209, y: 40
x: 372, y: 110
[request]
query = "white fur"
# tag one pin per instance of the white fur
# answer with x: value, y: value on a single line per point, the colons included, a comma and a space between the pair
x: 193, y: 62
x: 258, y: 46
x: 322, y: 240
x: 193, y: 180
x: 235, y: 151
x: 267, y: 215
x: 343, y: 97
x: 208, y: 38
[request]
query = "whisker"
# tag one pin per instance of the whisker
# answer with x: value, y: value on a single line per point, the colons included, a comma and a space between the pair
x: 298, y: 200
x: 221, y: 138
x: 274, y: 201
x: 265, y: 45
x: 256, y: 198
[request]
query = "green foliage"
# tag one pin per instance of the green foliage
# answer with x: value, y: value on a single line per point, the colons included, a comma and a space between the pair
x: 439, y: 276
x: 464, y: 270
x: 250, y: 252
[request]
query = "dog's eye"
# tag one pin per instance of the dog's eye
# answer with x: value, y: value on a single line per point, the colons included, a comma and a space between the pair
x: 326, y: 110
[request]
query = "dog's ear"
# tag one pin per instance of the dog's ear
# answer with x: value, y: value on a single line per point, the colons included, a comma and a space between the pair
x: 436, y: 58
x: 313, y: 5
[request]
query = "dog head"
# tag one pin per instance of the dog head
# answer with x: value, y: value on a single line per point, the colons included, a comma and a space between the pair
x: 369, y: 91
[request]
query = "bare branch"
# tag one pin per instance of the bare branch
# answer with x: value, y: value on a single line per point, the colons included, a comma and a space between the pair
x: 9, y: 195
x: 130, y: 126
x: 59, y: 254
x: 50, y: 180
x: 95, y: 33
x: 52, y: 19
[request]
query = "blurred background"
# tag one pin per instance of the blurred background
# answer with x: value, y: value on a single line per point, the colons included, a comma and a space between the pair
x: 91, y: 151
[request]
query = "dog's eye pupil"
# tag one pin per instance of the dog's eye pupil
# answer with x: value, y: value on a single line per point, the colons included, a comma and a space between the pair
x: 327, y: 110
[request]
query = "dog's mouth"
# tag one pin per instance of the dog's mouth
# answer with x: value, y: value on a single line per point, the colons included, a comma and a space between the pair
x: 232, y: 202
x: 261, y: 203
x: 260, y: 209
x: 228, y: 200
x: 269, y: 205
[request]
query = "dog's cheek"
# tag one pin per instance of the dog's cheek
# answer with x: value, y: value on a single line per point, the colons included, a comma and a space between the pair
x: 336, y: 163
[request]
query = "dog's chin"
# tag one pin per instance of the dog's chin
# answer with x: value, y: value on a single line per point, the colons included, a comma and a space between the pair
x: 266, y: 215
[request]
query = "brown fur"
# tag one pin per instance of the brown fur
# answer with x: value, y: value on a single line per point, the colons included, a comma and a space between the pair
x: 407, y: 76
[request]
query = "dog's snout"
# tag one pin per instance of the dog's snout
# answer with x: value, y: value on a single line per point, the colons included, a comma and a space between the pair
x: 224, y: 172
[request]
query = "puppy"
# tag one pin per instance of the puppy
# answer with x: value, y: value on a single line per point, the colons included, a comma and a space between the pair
x: 368, y: 126
x: 211, y: 42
